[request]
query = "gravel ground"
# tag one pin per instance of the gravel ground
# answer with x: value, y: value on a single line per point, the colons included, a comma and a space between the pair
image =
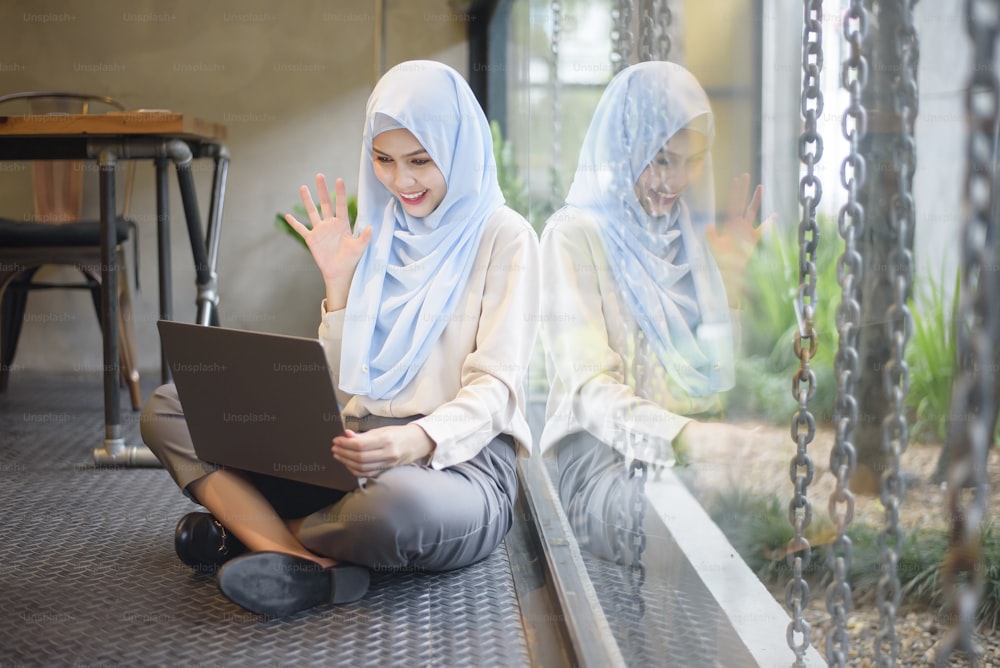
x: 761, y: 465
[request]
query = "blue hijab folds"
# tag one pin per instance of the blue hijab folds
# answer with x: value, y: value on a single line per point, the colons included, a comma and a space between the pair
x: 408, y: 282
x: 663, y: 268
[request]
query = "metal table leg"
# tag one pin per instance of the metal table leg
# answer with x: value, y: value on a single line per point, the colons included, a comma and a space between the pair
x: 205, y: 275
x: 215, y: 222
x: 113, y: 451
x: 204, y: 249
x: 163, y: 251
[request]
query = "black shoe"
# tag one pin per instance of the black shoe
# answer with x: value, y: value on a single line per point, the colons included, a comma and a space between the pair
x: 203, y: 543
x: 278, y: 584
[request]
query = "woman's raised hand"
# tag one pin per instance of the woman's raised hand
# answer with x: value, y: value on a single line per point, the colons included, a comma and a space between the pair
x: 334, y: 248
x: 733, y: 246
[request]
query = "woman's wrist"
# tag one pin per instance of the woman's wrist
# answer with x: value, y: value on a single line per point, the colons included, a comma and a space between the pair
x: 336, y: 295
x: 422, y: 445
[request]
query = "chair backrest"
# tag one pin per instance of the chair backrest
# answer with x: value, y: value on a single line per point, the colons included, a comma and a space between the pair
x: 58, y: 184
x: 60, y: 102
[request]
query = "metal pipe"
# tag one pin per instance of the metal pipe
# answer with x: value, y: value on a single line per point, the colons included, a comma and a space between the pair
x: 205, y: 276
x: 107, y: 163
x: 163, y: 254
x: 125, y: 455
x: 215, y: 207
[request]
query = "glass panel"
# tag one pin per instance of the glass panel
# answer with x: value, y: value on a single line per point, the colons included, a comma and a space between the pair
x: 601, y: 393
x: 746, y: 55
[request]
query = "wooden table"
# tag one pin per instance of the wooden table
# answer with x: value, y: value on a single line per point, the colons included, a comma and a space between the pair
x: 161, y: 136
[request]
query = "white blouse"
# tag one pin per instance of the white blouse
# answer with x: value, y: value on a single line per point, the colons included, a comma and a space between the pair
x: 604, y: 378
x: 472, y: 386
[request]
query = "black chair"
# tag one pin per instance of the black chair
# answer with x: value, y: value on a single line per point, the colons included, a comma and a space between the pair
x: 58, y: 236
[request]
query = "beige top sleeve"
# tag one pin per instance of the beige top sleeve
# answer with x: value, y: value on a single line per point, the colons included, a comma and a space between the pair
x: 471, y: 388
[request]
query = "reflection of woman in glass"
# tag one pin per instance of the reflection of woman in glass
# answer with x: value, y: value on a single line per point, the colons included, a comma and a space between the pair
x: 636, y: 324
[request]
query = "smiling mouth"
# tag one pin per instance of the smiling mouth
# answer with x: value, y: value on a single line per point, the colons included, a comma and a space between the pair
x: 663, y: 198
x: 414, y: 198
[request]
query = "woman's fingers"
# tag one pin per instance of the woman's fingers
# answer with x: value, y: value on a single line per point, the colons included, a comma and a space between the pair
x: 363, y: 463
x: 341, y: 192
x: 326, y: 206
x: 356, y: 447
x: 296, y: 225
x: 754, y: 206
x: 366, y: 454
x: 737, y: 213
x: 738, y: 189
x: 310, y: 206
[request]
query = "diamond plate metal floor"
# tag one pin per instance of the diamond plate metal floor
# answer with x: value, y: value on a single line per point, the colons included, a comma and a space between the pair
x: 656, y: 619
x: 88, y: 573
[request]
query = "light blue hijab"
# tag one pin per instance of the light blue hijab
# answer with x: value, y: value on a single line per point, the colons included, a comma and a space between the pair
x: 663, y: 268
x: 413, y: 272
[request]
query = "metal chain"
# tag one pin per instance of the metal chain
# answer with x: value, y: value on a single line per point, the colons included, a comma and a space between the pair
x: 647, y: 31
x: 555, y: 181
x: 666, y: 18
x: 622, y: 42
x: 654, y: 30
x: 850, y: 269
x: 801, y: 469
x: 631, y: 542
x: 976, y: 329
x: 899, y: 325
x: 621, y: 35
x: 630, y: 537
x: 637, y: 474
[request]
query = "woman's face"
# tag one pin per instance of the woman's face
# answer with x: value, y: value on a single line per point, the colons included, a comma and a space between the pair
x: 406, y: 169
x: 676, y: 166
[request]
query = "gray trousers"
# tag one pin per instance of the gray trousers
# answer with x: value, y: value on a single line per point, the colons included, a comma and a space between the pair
x: 409, y: 517
x: 607, y: 510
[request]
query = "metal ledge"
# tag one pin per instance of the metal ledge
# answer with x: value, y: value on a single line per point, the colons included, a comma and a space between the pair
x: 563, y: 618
x: 706, y: 560
x: 699, y: 592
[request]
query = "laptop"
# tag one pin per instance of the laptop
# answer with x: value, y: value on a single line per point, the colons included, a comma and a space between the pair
x: 258, y: 402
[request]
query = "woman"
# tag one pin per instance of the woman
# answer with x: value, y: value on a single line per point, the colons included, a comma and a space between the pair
x: 636, y: 325
x: 430, y: 315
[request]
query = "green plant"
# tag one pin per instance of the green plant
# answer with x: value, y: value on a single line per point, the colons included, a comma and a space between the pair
x: 769, y: 322
x: 930, y: 356
x: 757, y: 527
x: 299, y: 212
x: 511, y: 184
x: 515, y: 191
x: 989, y: 604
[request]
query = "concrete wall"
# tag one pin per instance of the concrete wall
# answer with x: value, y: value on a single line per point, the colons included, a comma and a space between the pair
x: 288, y: 79
x: 941, y: 134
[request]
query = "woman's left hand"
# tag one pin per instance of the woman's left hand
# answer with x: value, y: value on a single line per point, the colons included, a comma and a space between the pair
x: 369, y: 453
x: 733, y: 246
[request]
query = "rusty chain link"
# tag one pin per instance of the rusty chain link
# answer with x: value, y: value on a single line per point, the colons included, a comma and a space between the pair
x: 801, y: 469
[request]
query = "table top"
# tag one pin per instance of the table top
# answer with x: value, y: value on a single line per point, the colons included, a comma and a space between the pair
x: 155, y: 122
